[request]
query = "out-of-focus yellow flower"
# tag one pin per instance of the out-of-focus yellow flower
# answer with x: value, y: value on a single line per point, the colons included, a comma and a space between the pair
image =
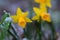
x: 38, y: 11
x: 45, y: 17
x: 21, y: 18
x: 44, y: 2
x: 41, y: 13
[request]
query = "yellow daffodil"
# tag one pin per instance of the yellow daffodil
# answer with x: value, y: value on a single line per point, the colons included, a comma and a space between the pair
x: 44, y: 2
x: 21, y: 18
x: 41, y: 13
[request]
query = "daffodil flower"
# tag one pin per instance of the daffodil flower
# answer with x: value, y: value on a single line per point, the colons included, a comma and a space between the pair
x: 20, y: 18
x: 44, y: 2
x: 41, y: 13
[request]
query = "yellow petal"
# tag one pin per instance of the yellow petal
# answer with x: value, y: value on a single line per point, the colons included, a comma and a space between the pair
x: 25, y: 14
x: 15, y: 19
x: 49, y: 3
x: 43, y: 8
x: 49, y: 20
x: 35, y: 18
x: 19, y: 12
x: 40, y: 1
x: 28, y: 20
x: 36, y: 10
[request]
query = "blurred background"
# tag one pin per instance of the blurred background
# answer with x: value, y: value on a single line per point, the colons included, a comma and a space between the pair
x: 27, y: 5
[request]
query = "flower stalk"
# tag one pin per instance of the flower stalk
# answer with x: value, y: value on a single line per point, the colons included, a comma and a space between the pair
x: 39, y: 31
x: 53, y: 31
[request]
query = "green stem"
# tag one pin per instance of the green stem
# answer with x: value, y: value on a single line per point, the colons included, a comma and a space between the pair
x: 14, y: 34
x: 14, y: 30
x: 53, y: 31
x: 39, y: 31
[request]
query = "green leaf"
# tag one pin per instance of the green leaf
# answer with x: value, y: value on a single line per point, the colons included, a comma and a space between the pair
x: 4, y: 17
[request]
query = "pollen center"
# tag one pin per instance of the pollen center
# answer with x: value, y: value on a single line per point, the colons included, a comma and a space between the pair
x: 22, y: 22
x: 45, y: 16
